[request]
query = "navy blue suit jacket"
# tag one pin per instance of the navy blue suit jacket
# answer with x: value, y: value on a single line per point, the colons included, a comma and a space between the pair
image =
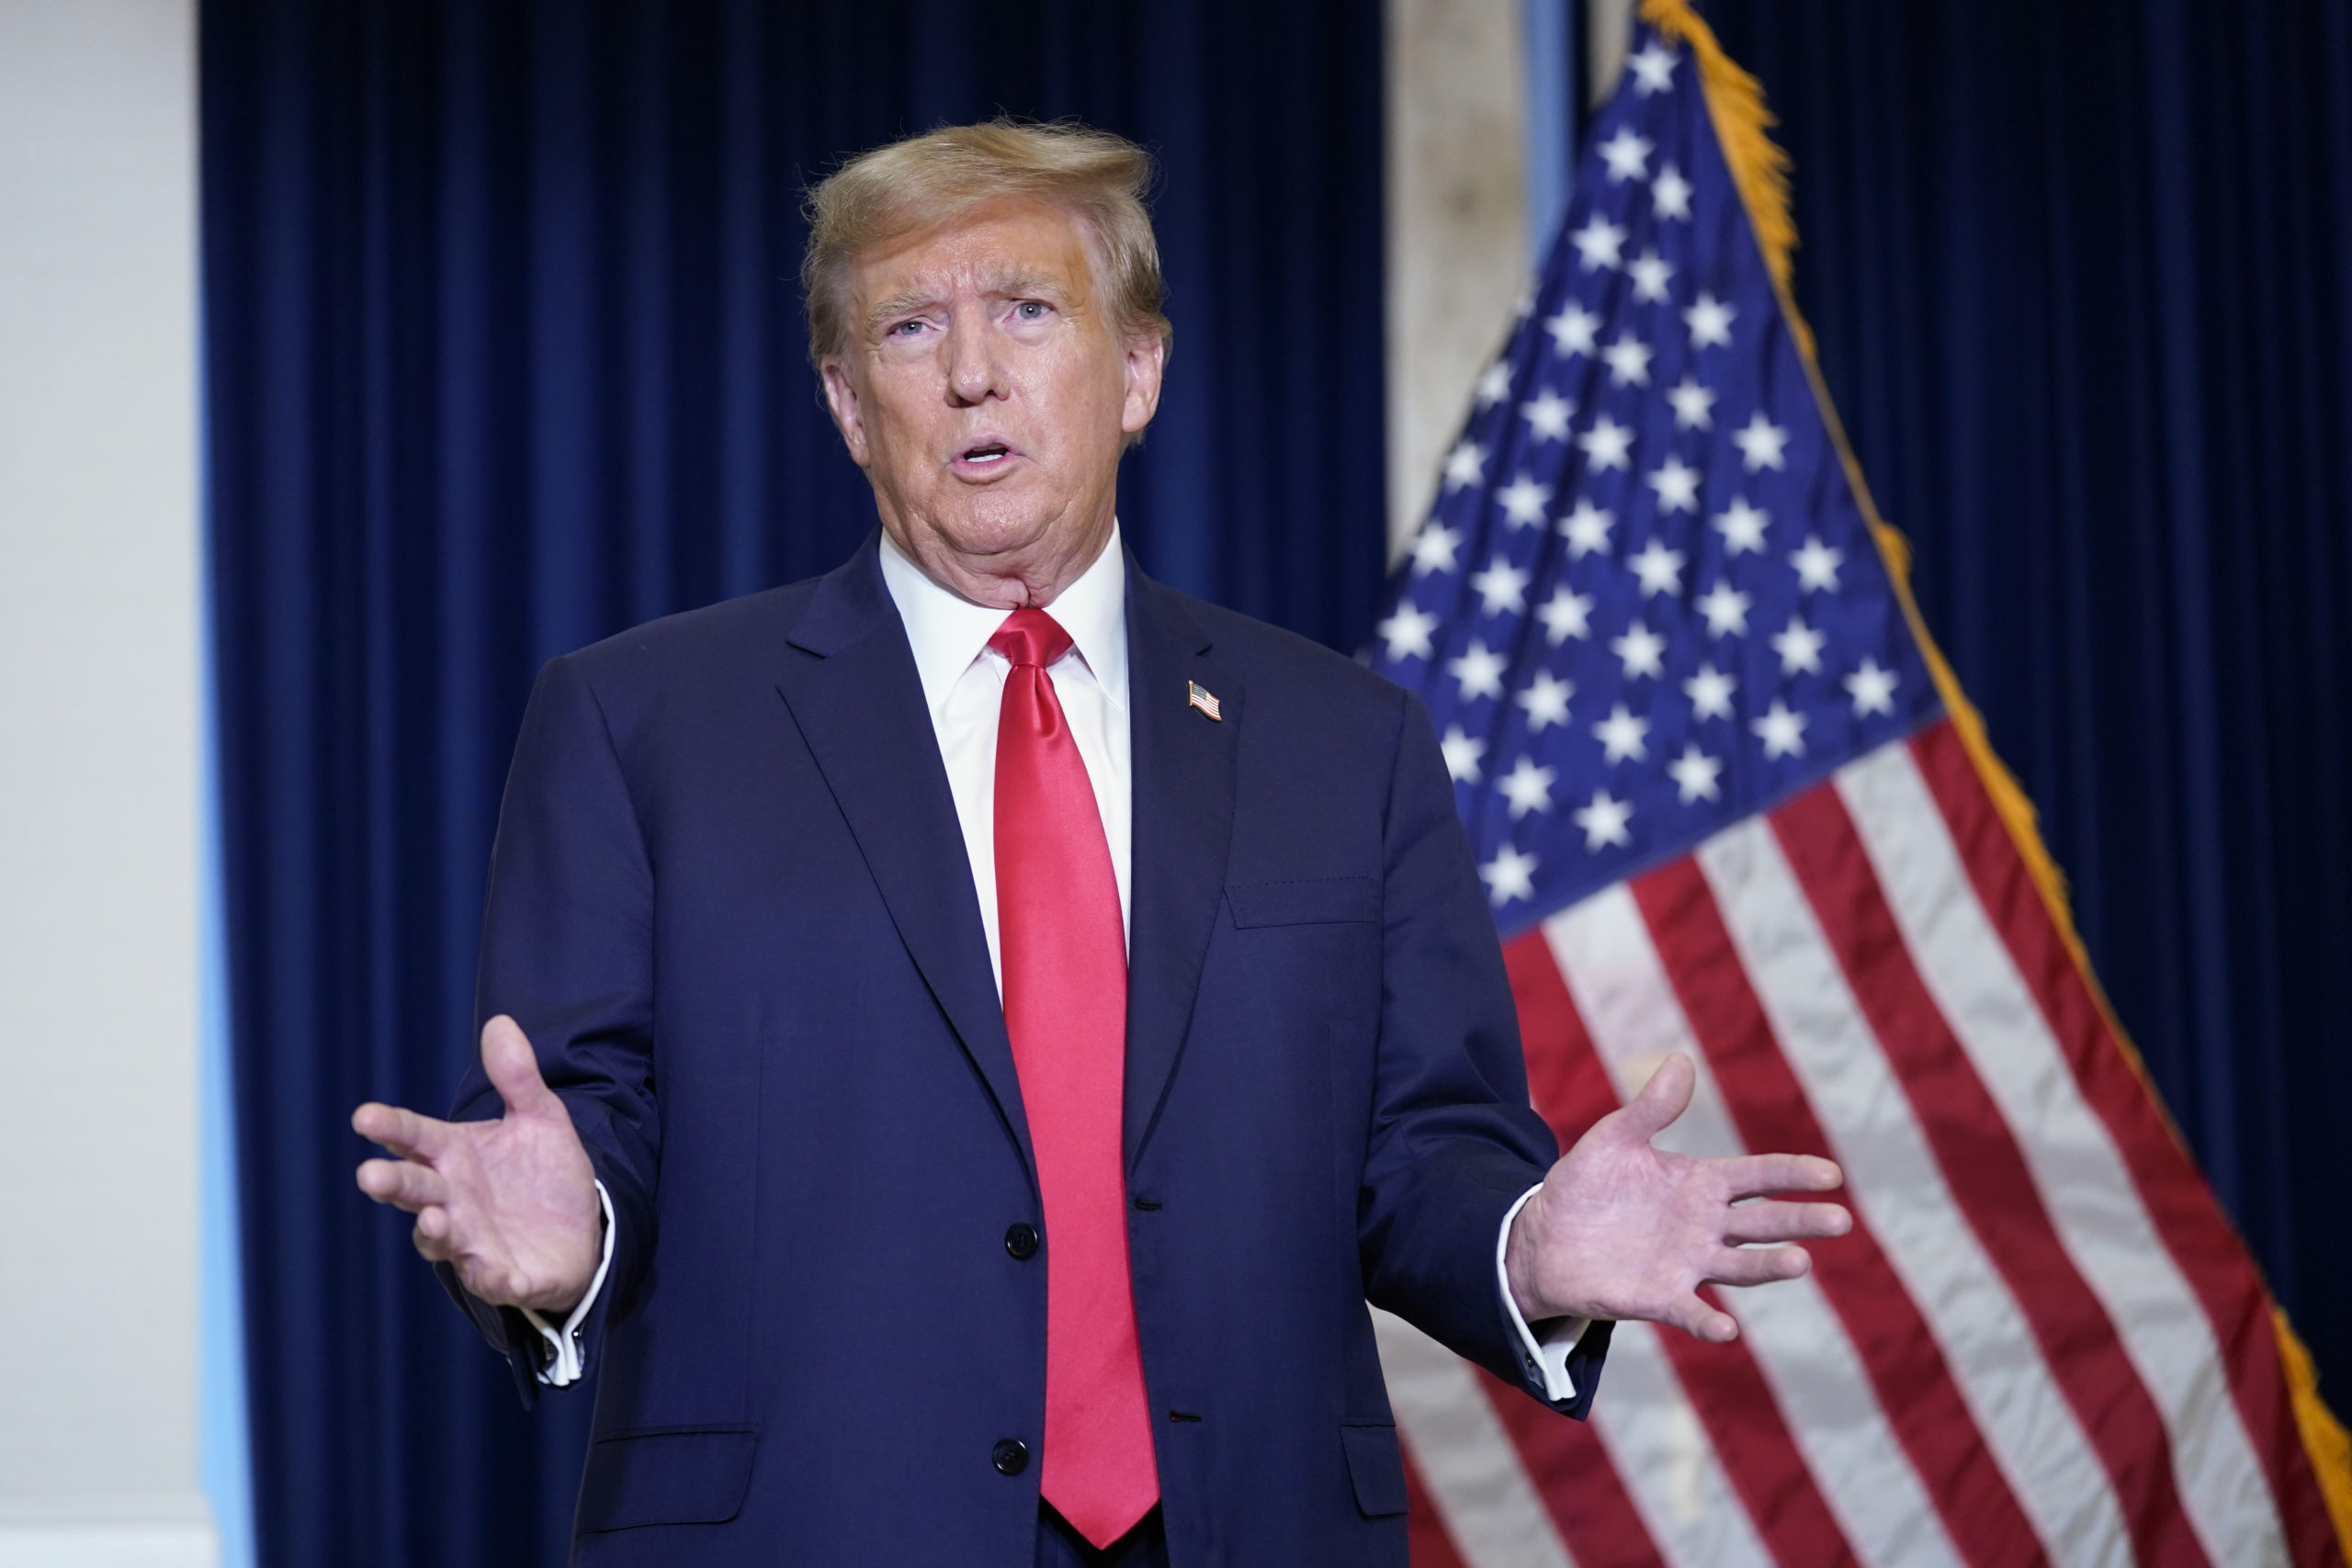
x: 731, y: 905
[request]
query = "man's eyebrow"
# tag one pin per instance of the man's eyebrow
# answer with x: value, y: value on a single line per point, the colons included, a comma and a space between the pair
x: 897, y: 305
x: 1026, y: 284
x: 1011, y: 286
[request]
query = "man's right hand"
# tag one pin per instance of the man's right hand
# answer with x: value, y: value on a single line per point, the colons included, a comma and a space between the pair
x: 509, y: 1204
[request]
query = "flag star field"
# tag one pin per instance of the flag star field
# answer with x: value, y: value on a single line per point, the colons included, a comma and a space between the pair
x: 1646, y: 520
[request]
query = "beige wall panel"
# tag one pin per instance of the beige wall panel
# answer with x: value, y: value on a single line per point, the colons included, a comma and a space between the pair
x: 1457, y: 225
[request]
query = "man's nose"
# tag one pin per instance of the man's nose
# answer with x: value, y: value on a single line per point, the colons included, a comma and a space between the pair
x: 974, y: 372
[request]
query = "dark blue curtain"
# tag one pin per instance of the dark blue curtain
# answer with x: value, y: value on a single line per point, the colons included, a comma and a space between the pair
x: 2082, y: 276
x: 504, y: 355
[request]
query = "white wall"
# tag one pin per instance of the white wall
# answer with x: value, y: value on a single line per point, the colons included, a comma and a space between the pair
x: 1456, y: 222
x: 1478, y: 105
x: 1609, y: 39
x: 99, y: 785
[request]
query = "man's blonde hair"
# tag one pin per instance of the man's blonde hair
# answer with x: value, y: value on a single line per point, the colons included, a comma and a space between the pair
x: 923, y: 181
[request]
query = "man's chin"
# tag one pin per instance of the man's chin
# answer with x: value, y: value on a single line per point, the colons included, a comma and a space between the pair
x: 1001, y: 554
x: 990, y: 525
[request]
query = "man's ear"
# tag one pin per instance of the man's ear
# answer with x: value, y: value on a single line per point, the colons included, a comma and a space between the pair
x: 841, y: 396
x: 1147, y: 358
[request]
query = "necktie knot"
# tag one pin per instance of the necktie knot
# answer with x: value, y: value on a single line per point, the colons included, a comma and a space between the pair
x: 1031, y: 637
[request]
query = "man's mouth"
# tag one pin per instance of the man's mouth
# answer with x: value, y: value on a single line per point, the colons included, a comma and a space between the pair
x: 983, y: 459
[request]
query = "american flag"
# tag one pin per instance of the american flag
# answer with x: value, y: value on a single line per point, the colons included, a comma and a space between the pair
x: 1721, y: 807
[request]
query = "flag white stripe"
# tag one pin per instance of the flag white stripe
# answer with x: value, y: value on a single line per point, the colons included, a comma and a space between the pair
x: 1894, y: 1181
x: 1659, y: 1449
x: 1465, y: 1457
x: 2084, y: 1182
x: 1605, y: 952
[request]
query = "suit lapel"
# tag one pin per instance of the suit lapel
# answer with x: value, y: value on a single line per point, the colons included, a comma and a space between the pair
x: 1183, y: 774
x: 852, y: 688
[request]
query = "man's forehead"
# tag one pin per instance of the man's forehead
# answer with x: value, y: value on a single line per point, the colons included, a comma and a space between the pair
x: 1005, y: 247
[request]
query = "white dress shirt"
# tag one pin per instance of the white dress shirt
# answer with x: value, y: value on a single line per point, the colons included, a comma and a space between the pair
x: 963, y: 688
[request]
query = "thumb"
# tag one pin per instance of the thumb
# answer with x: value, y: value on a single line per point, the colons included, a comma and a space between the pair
x: 514, y: 1069
x: 1664, y: 1097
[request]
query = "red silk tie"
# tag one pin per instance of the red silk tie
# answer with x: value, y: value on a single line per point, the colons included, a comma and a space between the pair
x: 1065, y: 959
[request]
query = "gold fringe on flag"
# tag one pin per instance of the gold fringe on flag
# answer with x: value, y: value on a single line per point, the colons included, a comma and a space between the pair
x: 1759, y: 168
x: 2323, y: 1435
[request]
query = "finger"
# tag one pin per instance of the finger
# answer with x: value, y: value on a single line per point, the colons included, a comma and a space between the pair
x: 431, y: 1234
x: 1752, y: 1176
x: 439, y: 1238
x: 498, y: 1283
x: 513, y: 1068
x: 1664, y: 1097
x: 1695, y: 1317
x: 1758, y: 1264
x: 404, y: 1133
x: 1772, y: 1220
x: 450, y: 1237
x: 402, y: 1184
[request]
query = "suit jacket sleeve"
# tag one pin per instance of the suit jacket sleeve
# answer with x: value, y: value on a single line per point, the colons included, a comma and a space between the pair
x: 1455, y: 1144
x: 567, y: 950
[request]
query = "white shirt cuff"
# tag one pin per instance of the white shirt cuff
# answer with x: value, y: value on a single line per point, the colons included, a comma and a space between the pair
x: 1546, y: 1358
x: 565, y: 1369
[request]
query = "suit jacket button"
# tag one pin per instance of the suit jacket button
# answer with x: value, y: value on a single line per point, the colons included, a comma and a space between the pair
x: 1010, y: 1456
x: 1021, y: 1240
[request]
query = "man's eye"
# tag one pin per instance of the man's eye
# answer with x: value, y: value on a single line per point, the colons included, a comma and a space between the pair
x: 907, y: 329
x: 1030, y: 310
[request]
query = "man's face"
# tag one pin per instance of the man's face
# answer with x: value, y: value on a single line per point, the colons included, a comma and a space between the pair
x: 986, y: 390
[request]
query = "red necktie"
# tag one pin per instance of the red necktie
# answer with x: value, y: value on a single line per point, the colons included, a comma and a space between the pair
x: 1065, y: 960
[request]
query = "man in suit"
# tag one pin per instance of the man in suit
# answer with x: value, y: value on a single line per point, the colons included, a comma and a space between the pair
x: 968, y: 1033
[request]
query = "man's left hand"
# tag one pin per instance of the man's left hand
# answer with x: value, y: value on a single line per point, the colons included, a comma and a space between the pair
x: 1622, y: 1230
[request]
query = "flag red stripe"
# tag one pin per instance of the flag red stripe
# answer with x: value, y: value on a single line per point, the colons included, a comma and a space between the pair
x: 2180, y: 1205
x: 1915, y: 1386
x: 1965, y: 1127
x: 1758, y: 1452
x: 1566, y: 1082
x: 1571, y: 1090
x: 1573, y: 1475
x: 1424, y: 1526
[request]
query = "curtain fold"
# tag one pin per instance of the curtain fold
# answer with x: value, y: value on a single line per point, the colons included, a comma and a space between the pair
x: 504, y: 355
x: 2082, y: 278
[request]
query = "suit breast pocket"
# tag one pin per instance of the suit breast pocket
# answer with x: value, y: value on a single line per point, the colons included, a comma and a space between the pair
x: 1307, y: 901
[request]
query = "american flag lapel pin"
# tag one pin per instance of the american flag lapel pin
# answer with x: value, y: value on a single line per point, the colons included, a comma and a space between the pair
x: 1202, y: 700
